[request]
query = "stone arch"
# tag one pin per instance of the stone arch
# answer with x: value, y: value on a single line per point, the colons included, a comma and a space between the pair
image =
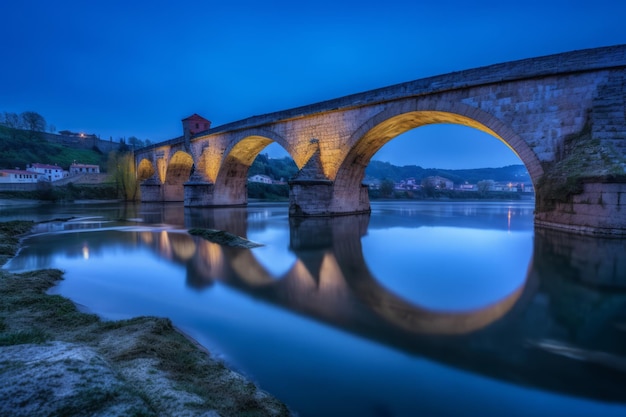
x: 178, y: 171
x: 145, y: 170
x: 401, y: 117
x: 232, y: 178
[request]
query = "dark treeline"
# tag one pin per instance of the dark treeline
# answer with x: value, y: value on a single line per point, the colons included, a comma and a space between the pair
x: 385, y: 170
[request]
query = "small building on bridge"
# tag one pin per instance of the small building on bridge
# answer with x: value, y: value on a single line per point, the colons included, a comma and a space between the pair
x: 195, y: 124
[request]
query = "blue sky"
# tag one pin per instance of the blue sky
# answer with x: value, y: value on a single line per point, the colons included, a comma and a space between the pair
x: 134, y: 68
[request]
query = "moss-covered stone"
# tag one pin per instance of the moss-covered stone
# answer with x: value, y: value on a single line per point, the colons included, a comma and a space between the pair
x: 224, y: 238
x: 581, y: 158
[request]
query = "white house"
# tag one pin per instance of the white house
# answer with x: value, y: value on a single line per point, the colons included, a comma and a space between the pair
x: 84, y: 169
x: 50, y: 172
x: 261, y: 178
x: 16, y: 176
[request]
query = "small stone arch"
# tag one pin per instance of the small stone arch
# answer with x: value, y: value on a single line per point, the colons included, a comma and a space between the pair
x: 145, y: 170
x: 232, y: 178
x: 178, y: 171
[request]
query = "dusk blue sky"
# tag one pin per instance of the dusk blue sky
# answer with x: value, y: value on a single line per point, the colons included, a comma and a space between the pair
x: 133, y: 68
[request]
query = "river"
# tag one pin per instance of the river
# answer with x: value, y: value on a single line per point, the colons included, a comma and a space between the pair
x: 421, y: 308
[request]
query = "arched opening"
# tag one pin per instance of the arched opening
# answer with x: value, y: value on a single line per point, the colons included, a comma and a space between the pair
x: 178, y: 171
x: 389, y: 125
x: 447, y: 161
x: 246, y: 169
x: 145, y: 170
x: 450, y: 251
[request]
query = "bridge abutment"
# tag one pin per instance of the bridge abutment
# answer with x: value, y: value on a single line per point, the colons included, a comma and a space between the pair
x: 599, y: 209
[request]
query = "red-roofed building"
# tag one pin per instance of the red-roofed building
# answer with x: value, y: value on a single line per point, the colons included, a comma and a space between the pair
x: 195, y: 124
x: 50, y: 172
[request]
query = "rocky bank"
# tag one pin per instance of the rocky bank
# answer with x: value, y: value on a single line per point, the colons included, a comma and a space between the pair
x: 58, y: 361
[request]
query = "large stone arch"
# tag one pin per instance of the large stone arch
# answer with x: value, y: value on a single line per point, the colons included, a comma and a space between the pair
x: 401, y: 117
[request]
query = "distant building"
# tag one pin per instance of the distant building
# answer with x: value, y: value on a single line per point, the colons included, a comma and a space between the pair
x: 77, y: 135
x: 16, y: 176
x: 468, y: 187
x: 49, y: 172
x: 407, y: 184
x: 84, y: 169
x: 439, y: 183
x: 261, y: 178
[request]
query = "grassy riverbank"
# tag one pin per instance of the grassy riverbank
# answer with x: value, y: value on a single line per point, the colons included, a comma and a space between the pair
x: 56, y: 360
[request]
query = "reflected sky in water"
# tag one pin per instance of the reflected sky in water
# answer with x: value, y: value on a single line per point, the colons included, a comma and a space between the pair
x: 449, y: 269
x: 418, y: 309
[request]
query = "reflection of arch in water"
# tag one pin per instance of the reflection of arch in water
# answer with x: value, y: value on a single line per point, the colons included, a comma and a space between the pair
x: 333, y: 271
x: 401, y: 313
x: 395, y: 310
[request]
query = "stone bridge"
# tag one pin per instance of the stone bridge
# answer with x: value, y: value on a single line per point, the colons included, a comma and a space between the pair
x: 564, y: 116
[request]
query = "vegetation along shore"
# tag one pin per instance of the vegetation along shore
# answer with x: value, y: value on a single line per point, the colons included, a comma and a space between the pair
x: 56, y: 360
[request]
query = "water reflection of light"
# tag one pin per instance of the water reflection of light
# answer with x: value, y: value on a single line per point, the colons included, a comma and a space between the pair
x: 509, y: 220
x: 85, y: 251
x: 210, y: 258
x: 331, y: 277
x: 164, y: 245
x: 183, y: 247
x: 146, y: 237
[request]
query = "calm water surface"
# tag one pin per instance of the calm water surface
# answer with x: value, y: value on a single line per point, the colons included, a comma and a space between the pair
x: 418, y: 309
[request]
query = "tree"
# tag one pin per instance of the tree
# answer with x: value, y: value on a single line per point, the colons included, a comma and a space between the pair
x: 386, y: 188
x: 484, y: 186
x: 134, y: 142
x: 33, y: 121
x: 12, y: 120
x: 121, y: 166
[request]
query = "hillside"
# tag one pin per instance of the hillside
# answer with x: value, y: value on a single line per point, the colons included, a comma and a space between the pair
x: 19, y: 148
x: 285, y: 168
x: 377, y: 170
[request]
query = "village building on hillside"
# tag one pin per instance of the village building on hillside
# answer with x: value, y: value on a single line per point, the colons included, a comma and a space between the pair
x: 438, y: 182
x: 77, y: 135
x: 17, y: 176
x: 50, y: 172
x: 261, y: 178
x: 84, y: 169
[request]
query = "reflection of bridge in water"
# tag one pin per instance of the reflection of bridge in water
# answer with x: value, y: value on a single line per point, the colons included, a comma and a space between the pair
x: 330, y: 282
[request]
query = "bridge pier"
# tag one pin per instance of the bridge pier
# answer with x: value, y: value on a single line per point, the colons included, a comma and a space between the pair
x: 198, y: 192
x: 598, y: 209
x: 151, y: 191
